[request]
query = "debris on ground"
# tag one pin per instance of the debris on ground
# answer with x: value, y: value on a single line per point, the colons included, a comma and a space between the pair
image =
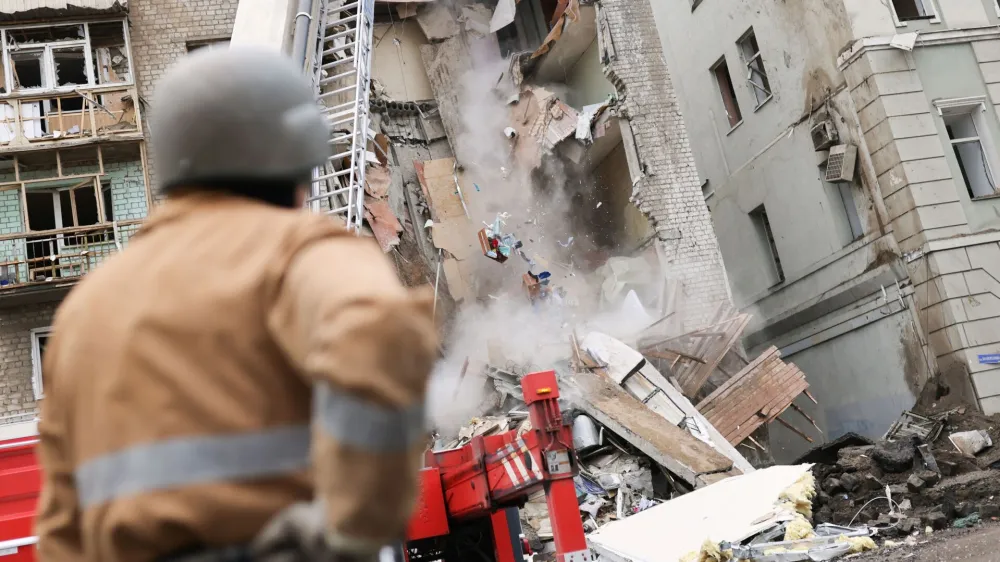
x: 755, y: 517
x: 925, y: 474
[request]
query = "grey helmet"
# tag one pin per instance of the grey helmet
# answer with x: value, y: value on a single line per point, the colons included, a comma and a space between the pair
x: 238, y: 114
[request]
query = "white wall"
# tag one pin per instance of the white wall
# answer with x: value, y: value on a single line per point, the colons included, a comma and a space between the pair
x: 397, y: 64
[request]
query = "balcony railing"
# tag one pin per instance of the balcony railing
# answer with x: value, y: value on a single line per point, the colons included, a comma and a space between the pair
x: 63, y: 255
x: 84, y: 112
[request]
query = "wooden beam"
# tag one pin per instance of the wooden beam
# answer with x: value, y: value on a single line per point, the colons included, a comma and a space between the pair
x: 794, y: 429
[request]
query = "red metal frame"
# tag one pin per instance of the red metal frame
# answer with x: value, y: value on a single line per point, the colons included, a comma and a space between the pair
x: 491, y: 473
x: 20, y: 485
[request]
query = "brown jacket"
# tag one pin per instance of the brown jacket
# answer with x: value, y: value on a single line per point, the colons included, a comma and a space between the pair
x: 190, y: 378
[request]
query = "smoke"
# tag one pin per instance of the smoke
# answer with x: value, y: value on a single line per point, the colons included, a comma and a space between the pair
x: 541, y: 208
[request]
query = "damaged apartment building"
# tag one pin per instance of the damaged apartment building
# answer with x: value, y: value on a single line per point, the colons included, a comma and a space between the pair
x: 477, y: 103
x: 75, y: 183
x: 843, y: 152
x: 847, y: 150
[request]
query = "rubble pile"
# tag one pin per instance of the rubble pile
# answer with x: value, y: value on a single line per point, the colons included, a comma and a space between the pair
x: 928, y: 472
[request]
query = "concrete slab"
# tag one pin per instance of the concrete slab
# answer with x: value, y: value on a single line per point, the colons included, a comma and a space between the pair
x: 672, y: 447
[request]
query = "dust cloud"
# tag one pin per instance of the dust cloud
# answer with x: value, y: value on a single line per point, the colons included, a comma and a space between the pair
x: 504, y: 329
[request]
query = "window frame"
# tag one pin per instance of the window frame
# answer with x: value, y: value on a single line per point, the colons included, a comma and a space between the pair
x: 743, y: 45
x: 213, y: 43
x: 975, y: 107
x: 934, y: 18
x: 36, y: 359
x: 760, y: 219
x: 49, y: 83
x: 716, y: 71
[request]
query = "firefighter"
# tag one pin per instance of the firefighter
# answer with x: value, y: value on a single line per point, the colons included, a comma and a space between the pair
x: 241, y: 358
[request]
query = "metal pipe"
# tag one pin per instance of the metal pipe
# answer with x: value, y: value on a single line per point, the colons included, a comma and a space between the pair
x: 300, y: 36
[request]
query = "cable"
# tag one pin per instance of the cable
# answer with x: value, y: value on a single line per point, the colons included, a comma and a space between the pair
x: 891, y: 505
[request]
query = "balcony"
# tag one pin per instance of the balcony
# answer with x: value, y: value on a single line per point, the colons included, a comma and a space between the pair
x: 37, y: 120
x: 59, y: 258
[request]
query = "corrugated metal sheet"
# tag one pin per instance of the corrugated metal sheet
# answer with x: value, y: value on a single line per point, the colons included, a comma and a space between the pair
x: 38, y: 9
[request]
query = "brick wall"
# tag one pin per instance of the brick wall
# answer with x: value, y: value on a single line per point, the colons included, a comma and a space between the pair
x: 160, y: 31
x: 17, y: 397
x: 670, y: 190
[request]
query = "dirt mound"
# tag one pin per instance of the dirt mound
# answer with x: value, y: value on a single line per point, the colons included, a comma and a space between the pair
x: 855, y: 489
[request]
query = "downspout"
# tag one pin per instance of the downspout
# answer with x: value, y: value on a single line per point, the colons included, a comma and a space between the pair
x: 300, y: 35
x: 300, y: 49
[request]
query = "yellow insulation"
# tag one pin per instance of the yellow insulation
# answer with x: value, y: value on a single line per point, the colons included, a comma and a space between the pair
x: 799, y: 495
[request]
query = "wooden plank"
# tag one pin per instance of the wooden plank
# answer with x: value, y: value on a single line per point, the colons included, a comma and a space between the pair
x: 671, y: 353
x: 781, y: 402
x: 722, y: 390
x: 745, y: 410
x: 759, y: 420
x: 794, y: 429
x: 757, y: 377
x: 748, y: 404
x: 672, y: 447
x: 701, y: 375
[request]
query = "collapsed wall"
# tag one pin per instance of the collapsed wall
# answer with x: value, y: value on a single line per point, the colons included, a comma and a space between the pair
x: 667, y: 184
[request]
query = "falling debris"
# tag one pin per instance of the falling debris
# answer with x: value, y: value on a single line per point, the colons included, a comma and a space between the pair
x: 497, y: 245
x: 756, y: 395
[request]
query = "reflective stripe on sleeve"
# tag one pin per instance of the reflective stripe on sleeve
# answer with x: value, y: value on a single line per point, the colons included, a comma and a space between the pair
x: 361, y: 424
x: 187, y: 461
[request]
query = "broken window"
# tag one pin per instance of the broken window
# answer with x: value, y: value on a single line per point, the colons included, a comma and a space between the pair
x: 965, y: 129
x: 721, y: 72
x: 910, y: 10
x: 66, y: 56
x: 22, y: 37
x: 109, y: 52
x: 851, y: 210
x: 27, y: 69
x: 69, y: 66
x: 208, y: 44
x: 756, y: 75
x: 763, y: 227
x: 39, y: 341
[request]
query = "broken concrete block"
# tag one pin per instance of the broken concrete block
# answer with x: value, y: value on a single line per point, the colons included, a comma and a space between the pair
x: 822, y: 498
x: 850, y: 481
x: 947, y: 507
x: 929, y: 476
x: 909, y: 525
x: 965, y: 509
x: 989, y: 510
x: 897, y: 491
x: 832, y: 485
x: 936, y: 520
x: 894, y: 456
x: 915, y: 483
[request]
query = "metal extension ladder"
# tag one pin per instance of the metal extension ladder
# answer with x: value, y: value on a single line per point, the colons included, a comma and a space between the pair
x: 342, y: 77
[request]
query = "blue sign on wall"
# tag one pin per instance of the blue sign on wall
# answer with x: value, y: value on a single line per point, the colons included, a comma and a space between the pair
x: 990, y: 359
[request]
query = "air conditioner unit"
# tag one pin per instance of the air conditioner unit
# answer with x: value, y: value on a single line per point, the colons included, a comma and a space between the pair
x: 840, y: 166
x: 824, y: 135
